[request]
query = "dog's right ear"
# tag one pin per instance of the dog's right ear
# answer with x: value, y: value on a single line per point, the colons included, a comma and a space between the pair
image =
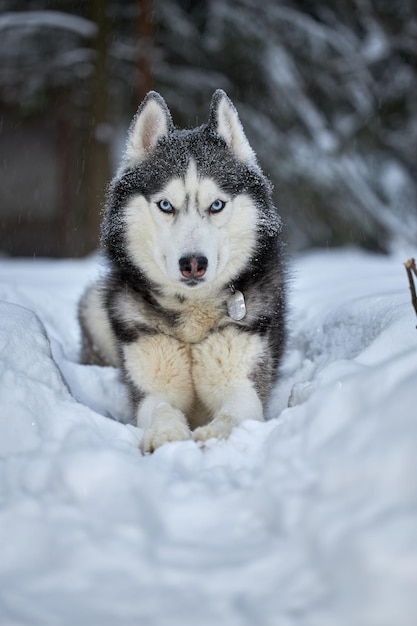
x: 152, y: 121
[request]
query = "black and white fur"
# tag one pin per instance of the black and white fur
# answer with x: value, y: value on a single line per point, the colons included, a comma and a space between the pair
x: 189, y: 222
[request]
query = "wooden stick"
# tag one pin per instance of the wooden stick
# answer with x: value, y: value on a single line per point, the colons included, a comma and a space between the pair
x: 411, y: 268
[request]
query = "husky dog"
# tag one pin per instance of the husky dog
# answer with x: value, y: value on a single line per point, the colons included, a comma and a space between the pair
x: 192, y: 307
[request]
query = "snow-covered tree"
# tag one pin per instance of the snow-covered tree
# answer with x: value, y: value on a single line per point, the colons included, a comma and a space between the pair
x: 327, y: 92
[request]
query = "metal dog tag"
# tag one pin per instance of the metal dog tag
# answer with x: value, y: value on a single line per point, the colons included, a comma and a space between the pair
x: 236, y: 307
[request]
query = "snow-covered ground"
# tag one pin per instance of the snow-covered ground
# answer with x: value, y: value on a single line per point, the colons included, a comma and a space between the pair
x: 308, y: 519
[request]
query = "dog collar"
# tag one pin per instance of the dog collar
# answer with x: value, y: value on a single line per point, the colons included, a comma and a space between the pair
x: 236, y: 307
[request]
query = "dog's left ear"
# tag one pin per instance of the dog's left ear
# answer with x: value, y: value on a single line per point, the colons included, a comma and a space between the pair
x: 225, y: 122
x: 151, y: 122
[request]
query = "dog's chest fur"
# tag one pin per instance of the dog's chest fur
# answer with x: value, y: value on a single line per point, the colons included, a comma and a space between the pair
x: 193, y: 319
x: 189, y: 321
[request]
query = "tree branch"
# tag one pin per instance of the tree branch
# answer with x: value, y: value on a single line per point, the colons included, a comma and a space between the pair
x: 411, y: 268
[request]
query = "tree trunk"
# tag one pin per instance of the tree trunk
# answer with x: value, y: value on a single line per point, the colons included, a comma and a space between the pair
x: 98, y: 170
x: 145, y: 39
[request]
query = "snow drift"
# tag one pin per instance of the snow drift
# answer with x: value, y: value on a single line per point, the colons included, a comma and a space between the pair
x: 307, y: 519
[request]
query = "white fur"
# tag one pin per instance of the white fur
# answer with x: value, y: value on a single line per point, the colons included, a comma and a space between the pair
x: 176, y: 377
x: 221, y: 368
x: 95, y: 320
x: 231, y: 130
x: 160, y: 366
x: 165, y: 424
x: 148, y: 127
x: 156, y: 241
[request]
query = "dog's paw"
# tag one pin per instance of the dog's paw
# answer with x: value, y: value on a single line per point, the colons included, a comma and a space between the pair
x: 170, y: 425
x: 220, y: 428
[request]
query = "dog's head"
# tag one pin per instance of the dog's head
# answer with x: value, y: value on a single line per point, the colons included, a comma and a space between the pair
x: 186, y: 207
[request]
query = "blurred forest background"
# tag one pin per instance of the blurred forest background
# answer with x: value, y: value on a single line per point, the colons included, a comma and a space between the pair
x: 327, y: 93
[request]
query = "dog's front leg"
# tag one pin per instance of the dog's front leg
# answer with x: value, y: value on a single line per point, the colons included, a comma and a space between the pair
x: 158, y: 369
x: 222, y: 367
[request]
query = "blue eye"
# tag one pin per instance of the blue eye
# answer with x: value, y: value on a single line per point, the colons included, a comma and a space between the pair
x: 217, y: 206
x: 165, y: 206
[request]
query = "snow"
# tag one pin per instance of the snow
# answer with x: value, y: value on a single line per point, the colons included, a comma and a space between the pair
x: 307, y: 519
x: 48, y: 19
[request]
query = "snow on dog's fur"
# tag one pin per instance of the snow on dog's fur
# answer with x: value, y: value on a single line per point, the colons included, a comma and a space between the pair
x: 192, y: 307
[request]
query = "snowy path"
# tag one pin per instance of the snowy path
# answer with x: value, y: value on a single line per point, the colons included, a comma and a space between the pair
x: 309, y: 519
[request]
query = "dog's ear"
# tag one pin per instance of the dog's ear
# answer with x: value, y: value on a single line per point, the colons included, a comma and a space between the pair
x: 152, y: 121
x: 224, y: 121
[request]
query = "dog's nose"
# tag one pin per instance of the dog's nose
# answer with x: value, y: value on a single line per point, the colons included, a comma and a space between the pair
x: 193, y: 266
